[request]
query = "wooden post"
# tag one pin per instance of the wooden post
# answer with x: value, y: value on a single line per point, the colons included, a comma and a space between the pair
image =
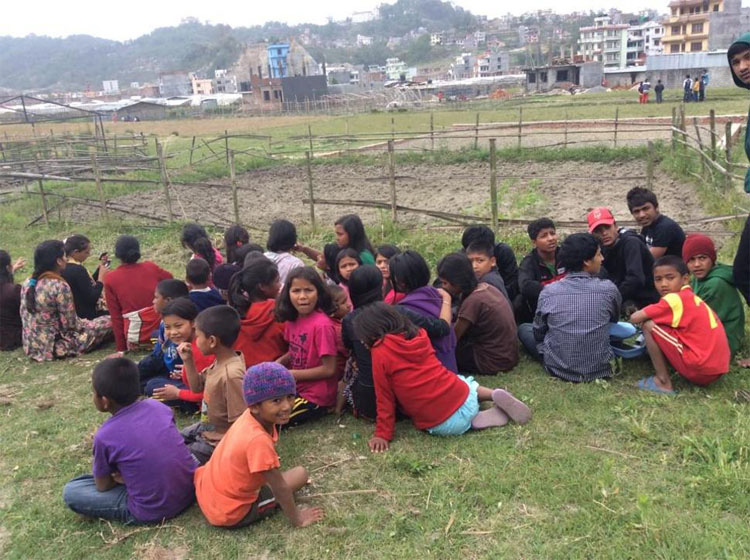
x: 432, y: 131
x: 392, y: 181
x: 164, y: 178
x: 309, y: 136
x: 566, y: 130
x: 115, y: 144
x: 712, y: 124
x: 476, y: 133
x: 2, y: 151
x: 310, y: 194
x: 650, y: 166
x: 45, y: 212
x: 233, y: 181
x: 192, y: 147
x: 348, y: 139
x: 728, y: 154
x: 98, y: 179
x: 493, y: 183
x: 520, y: 124
x: 617, y: 120
x: 700, y: 145
x: 674, y: 125
x: 393, y: 128
x: 226, y: 145
x: 683, y: 127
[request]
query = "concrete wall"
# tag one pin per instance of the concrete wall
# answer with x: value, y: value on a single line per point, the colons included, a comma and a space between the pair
x: 591, y: 74
x: 672, y: 79
x: 726, y: 26
x: 302, y: 88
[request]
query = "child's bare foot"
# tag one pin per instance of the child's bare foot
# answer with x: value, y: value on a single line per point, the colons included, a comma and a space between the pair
x: 510, y: 405
x: 490, y: 418
x: 745, y: 362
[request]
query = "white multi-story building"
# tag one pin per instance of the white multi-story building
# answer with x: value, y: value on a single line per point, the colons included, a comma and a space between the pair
x: 490, y: 64
x: 394, y: 68
x: 463, y: 67
x: 605, y: 42
x: 111, y: 87
x: 225, y: 82
x: 436, y: 39
x: 651, y: 32
x: 363, y: 40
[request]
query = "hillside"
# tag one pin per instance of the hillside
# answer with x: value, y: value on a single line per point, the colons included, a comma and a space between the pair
x: 78, y: 61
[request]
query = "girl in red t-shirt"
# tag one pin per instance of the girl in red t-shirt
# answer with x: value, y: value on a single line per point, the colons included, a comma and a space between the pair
x: 406, y: 371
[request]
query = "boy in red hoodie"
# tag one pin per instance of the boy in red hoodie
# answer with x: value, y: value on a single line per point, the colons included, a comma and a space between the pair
x: 405, y: 370
x: 252, y: 292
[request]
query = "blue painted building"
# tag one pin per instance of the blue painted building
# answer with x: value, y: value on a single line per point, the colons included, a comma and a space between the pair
x: 277, y: 60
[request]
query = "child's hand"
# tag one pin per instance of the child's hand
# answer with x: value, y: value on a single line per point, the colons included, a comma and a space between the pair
x: 378, y: 444
x: 185, y: 350
x: 167, y: 393
x: 308, y: 516
x: 19, y: 264
x: 445, y: 295
x: 177, y: 373
x: 117, y: 477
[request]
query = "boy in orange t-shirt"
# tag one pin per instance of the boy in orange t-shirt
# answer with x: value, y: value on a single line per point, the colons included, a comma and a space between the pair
x: 680, y: 329
x: 242, y: 482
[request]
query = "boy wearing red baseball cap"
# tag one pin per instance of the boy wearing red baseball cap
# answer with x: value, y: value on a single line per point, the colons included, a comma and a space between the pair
x: 713, y: 283
x: 627, y: 260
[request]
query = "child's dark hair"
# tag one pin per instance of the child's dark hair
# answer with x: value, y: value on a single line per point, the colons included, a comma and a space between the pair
x: 235, y: 237
x: 330, y: 252
x: 197, y: 271
x: 535, y: 227
x: 365, y: 285
x: 379, y: 319
x: 45, y: 260
x: 242, y: 252
x: 355, y: 229
x: 171, y: 288
x: 387, y: 251
x: 734, y: 50
x: 117, y: 380
x: 181, y: 307
x: 577, y: 248
x: 205, y: 250
x: 190, y: 233
x: 673, y: 261
x: 456, y: 268
x: 474, y: 234
x: 6, y: 271
x: 244, y: 287
x: 335, y: 291
x: 220, y: 321
x: 482, y: 248
x: 282, y: 236
x: 75, y: 243
x: 285, y: 311
x: 409, y: 271
x: 127, y: 249
x: 346, y: 253
x: 638, y: 196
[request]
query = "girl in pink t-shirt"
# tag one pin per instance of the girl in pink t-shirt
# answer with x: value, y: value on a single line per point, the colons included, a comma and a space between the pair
x: 305, y: 305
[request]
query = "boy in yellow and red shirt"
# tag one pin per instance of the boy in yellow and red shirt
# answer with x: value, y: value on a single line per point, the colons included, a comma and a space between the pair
x: 680, y: 329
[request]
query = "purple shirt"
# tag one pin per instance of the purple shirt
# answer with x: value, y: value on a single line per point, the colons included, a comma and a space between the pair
x: 142, y: 443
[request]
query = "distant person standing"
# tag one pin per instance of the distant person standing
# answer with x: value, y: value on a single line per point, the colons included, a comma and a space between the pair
x: 696, y: 87
x: 702, y: 86
x: 659, y: 90
x: 645, y: 89
x: 687, y: 88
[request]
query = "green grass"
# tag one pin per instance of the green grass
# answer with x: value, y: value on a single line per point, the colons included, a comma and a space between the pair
x: 602, y: 471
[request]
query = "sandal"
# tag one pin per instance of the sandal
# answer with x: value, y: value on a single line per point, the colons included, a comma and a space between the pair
x: 649, y: 384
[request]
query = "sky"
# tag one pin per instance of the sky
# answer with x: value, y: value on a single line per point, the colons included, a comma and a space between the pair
x: 133, y: 18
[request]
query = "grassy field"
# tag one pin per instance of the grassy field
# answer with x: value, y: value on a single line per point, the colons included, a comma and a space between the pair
x: 602, y: 471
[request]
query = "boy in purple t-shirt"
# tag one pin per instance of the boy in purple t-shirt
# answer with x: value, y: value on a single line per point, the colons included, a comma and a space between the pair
x: 142, y: 470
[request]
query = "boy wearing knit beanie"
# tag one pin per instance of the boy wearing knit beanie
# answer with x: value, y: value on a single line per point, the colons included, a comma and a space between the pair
x: 242, y: 482
x: 713, y: 283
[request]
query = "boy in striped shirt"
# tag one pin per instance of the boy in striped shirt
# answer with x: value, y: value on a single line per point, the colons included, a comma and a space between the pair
x: 681, y: 330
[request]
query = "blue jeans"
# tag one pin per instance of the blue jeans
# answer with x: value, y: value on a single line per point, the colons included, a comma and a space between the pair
x: 185, y: 407
x: 81, y: 495
x: 617, y: 331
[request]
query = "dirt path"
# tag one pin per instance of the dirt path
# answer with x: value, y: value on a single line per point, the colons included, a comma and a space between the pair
x: 564, y: 191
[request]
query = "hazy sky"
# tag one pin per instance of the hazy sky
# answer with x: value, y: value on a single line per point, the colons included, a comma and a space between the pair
x: 132, y: 18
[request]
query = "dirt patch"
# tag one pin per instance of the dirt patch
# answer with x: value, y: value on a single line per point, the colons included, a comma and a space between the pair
x: 153, y: 551
x: 562, y: 190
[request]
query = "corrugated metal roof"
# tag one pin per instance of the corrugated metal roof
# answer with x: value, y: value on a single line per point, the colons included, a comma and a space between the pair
x: 687, y: 61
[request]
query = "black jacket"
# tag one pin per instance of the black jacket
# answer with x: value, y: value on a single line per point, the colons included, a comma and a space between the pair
x: 507, y: 266
x: 630, y: 265
x: 741, y: 267
x: 86, y: 292
x: 533, y: 275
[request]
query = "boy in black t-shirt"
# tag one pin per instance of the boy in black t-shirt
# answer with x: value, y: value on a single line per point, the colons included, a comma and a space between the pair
x: 663, y: 235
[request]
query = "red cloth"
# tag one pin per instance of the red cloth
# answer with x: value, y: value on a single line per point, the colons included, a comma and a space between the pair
x: 407, y: 372
x: 261, y: 337
x: 201, y: 362
x: 128, y: 288
x: 691, y: 336
x: 393, y: 297
x: 139, y: 326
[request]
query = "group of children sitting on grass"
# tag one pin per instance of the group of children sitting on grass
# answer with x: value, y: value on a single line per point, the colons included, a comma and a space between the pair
x: 259, y: 340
